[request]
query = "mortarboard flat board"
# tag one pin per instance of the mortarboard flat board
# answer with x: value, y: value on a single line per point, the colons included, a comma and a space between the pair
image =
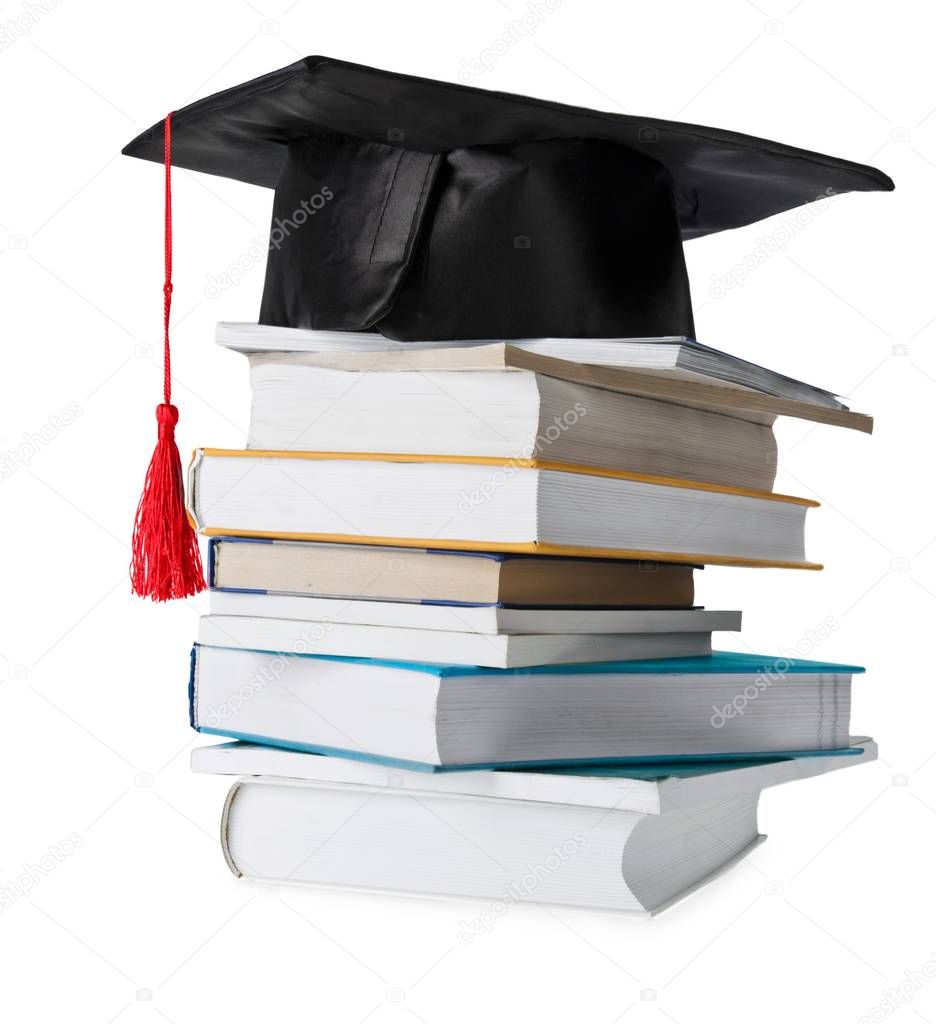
x: 431, y: 211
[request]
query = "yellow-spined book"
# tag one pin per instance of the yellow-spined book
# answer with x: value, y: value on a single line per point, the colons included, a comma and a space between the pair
x: 466, y: 503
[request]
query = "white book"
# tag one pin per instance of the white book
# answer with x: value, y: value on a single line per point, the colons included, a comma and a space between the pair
x: 627, y: 839
x: 507, y: 413
x: 453, y: 647
x: 444, y: 715
x: 477, y: 504
x: 487, y: 619
x: 679, y: 357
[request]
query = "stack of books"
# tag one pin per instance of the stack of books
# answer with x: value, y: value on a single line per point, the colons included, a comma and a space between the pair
x: 452, y: 621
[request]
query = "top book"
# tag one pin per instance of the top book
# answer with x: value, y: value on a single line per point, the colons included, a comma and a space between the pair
x: 509, y: 401
x: 679, y: 358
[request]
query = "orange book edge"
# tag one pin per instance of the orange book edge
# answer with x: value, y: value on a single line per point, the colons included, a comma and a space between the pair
x: 530, y: 547
x: 483, y: 460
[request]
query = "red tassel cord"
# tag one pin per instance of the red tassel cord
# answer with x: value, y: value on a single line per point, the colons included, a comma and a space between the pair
x: 166, y: 561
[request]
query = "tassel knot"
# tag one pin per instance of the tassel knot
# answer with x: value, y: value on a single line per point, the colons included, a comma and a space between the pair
x: 167, y: 416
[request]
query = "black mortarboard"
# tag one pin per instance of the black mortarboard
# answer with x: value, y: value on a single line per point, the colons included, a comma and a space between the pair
x: 427, y: 210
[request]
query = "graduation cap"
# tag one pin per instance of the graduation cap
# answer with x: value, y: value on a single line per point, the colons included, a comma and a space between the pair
x: 429, y: 211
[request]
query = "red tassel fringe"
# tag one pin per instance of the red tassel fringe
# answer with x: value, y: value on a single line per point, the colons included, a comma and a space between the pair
x: 166, y: 560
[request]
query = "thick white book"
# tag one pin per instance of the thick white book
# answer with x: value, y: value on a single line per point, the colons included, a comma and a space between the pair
x: 454, y: 647
x: 679, y: 357
x: 436, y: 716
x: 624, y: 839
x: 485, y: 504
x: 506, y: 413
x: 484, y: 619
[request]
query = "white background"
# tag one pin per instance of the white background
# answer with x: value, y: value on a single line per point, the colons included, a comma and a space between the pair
x: 142, y: 921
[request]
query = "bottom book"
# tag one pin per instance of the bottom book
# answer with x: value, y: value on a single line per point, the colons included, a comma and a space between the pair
x: 620, y: 838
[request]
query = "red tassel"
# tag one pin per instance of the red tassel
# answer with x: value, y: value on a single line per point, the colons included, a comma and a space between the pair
x: 166, y: 561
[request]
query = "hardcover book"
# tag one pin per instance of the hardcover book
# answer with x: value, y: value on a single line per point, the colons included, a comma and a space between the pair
x: 629, y: 839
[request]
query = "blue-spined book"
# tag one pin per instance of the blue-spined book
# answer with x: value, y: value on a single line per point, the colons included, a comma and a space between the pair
x: 431, y: 716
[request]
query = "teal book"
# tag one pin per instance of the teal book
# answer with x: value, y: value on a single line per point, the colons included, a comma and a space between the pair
x: 433, y: 717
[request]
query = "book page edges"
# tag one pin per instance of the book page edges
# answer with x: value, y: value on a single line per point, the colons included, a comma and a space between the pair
x: 724, y: 399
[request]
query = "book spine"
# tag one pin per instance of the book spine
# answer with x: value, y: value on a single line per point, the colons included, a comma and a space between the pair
x: 225, y: 829
x: 191, y: 507
x: 213, y: 543
x: 192, y: 693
